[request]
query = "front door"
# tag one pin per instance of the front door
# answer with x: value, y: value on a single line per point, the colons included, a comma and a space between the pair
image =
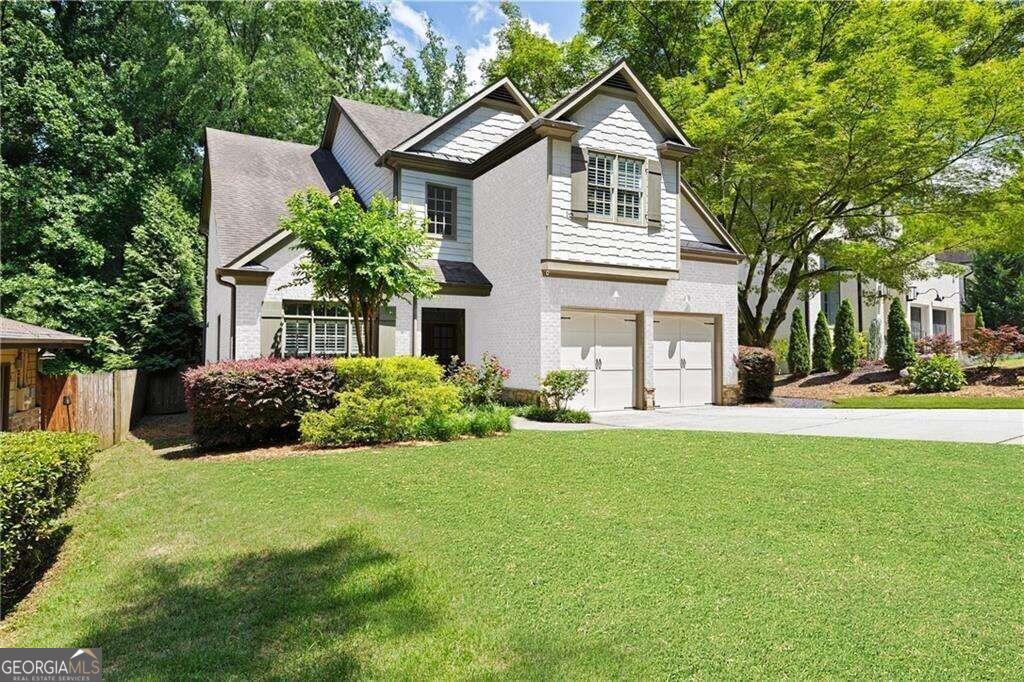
x: 683, y: 360
x: 444, y: 334
x: 604, y: 346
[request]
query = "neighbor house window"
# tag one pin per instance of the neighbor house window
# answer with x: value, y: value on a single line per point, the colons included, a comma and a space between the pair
x: 615, y: 187
x: 916, y: 329
x: 315, y: 329
x: 441, y: 210
x: 939, y: 322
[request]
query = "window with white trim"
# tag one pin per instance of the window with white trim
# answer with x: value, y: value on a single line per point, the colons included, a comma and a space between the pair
x: 615, y: 187
x: 441, y: 209
x: 312, y: 328
x: 939, y: 318
x: 916, y: 328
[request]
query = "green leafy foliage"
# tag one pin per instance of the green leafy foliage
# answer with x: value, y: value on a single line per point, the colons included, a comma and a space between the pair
x: 821, y: 358
x: 430, y: 88
x: 756, y: 373
x: 798, y: 355
x: 845, y: 350
x: 936, y: 374
x: 478, y: 385
x: 560, y: 386
x: 996, y: 288
x: 979, y: 318
x: 40, y: 475
x: 824, y: 127
x: 386, y: 376
x: 480, y: 421
x: 104, y: 106
x: 899, y: 346
x: 362, y: 258
x: 543, y: 413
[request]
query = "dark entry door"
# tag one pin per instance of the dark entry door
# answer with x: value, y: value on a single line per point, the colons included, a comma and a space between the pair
x: 5, y: 397
x: 444, y: 333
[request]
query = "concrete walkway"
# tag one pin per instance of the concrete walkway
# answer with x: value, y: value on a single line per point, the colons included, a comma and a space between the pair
x: 966, y: 426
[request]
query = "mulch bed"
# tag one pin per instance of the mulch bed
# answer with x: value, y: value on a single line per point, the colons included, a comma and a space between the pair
x: 878, y: 380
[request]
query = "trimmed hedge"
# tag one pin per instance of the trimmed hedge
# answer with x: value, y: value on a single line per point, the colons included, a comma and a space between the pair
x: 40, y: 475
x: 475, y: 421
x: 899, y: 346
x: 252, y: 402
x: 844, y: 349
x: 757, y: 373
x: 542, y: 413
x: 821, y: 357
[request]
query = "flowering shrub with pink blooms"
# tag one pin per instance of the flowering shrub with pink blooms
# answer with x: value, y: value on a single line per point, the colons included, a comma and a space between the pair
x: 249, y: 402
x: 478, y: 385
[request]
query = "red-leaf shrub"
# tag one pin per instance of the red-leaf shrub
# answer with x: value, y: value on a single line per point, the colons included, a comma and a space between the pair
x: 940, y: 344
x: 993, y: 344
x: 757, y: 373
x: 249, y: 402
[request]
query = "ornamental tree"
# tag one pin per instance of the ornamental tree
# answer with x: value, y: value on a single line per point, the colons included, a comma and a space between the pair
x: 798, y: 356
x: 360, y: 257
x: 844, y: 351
x: 899, y: 346
x: 821, y: 358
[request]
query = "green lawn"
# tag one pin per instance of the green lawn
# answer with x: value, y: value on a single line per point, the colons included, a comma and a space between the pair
x: 549, y: 555
x: 933, y: 401
x: 1011, y: 363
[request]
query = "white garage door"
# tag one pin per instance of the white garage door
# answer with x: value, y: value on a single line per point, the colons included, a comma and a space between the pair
x: 683, y: 360
x: 603, y: 345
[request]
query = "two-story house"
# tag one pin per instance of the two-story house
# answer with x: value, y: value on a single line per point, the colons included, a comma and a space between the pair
x: 562, y: 239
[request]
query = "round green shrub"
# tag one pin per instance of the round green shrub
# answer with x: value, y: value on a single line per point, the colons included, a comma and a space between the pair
x: 936, y: 374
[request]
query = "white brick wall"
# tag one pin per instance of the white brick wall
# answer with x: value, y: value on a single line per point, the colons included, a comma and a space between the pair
x: 248, y: 304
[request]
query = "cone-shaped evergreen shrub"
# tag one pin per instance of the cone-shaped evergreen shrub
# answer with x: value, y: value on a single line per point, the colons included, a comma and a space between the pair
x: 844, y: 351
x: 899, y: 347
x: 821, y: 358
x: 799, y: 355
x: 979, y: 319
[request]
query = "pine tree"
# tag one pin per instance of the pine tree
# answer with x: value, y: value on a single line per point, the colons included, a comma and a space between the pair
x: 979, y: 319
x: 844, y: 352
x: 821, y: 358
x: 899, y: 347
x: 799, y: 355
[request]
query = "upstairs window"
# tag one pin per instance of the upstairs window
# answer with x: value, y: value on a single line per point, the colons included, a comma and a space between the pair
x: 315, y: 329
x: 441, y: 211
x: 615, y: 187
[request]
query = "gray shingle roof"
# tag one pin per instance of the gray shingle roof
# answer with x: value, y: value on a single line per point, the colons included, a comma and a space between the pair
x: 383, y: 127
x: 17, y: 333
x: 457, y: 272
x: 250, y: 178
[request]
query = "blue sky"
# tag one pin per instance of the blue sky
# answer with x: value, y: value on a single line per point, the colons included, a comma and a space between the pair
x: 473, y: 25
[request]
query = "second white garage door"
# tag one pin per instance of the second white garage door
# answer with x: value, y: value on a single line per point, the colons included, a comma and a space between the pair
x: 603, y: 345
x: 684, y: 349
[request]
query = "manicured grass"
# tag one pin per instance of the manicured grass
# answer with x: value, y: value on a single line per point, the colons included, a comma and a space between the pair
x: 640, y: 554
x: 933, y: 401
x: 1011, y: 363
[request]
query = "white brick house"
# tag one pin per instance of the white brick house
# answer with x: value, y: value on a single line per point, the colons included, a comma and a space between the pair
x: 562, y: 239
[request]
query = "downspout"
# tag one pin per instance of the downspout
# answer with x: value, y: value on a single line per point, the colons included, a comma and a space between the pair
x: 860, y: 306
x: 231, y: 329
x: 412, y: 341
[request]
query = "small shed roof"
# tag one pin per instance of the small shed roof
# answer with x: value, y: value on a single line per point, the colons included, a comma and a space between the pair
x: 22, y: 334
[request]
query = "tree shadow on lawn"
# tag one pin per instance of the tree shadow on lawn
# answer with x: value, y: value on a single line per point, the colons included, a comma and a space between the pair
x: 304, y: 613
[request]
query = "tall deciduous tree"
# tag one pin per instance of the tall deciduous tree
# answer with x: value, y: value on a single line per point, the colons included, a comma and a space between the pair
x: 363, y: 258
x: 431, y: 86
x: 871, y: 133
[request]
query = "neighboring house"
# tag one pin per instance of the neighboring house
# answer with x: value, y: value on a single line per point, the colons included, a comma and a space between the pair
x: 561, y: 240
x: 20, y: 344
x: 931, y: 306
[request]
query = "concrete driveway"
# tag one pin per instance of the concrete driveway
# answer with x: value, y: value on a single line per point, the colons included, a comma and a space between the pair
x: 966, y: 426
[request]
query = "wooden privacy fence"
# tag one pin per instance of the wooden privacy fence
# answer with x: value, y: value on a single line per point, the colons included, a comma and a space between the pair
x: 108, y: 404
x: 968, y: 324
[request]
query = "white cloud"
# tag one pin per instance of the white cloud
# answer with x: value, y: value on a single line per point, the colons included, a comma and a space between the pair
x: 485, y: 50
x: 479, y: 10
x: 406, y: 16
